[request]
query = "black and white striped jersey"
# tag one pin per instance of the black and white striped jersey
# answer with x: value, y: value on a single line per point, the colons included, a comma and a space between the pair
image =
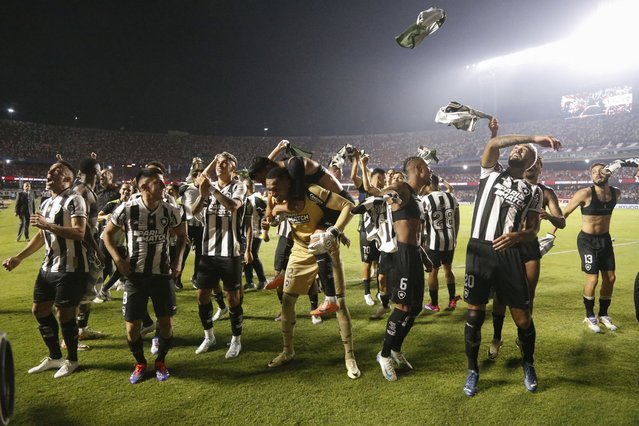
x: 378, y: 224
x: 147, y: 234
x: 188, y: 199
x: 284, y: 228
x: 439, y: 225
x: 223, y: 229
x: 120, y: 236
x: 91, y: 201
x: 255, y: 211
x: 62, y: 254
x: 502, y: 204
x: 182, y: 210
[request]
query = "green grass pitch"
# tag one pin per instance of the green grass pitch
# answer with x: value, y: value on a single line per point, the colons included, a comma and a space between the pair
x: 583, y: 377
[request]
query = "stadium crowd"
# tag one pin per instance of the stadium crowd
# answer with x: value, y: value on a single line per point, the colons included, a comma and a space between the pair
x: 30, y: 146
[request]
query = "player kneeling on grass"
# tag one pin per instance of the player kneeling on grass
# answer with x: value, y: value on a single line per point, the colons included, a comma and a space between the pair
x: 305, y: 217
x: 148, y: 221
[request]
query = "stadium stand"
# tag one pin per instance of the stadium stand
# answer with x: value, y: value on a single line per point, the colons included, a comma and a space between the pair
x: 28, y: 149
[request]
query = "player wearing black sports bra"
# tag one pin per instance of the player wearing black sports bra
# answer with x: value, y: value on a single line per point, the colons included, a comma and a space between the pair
x: 597, y: 203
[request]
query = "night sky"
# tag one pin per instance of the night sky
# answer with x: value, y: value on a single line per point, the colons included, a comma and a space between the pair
x: 299, y: 67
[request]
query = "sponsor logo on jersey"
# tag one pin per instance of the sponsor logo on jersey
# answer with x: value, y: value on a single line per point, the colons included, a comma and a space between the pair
x: 511, y: 196
x: 150, y: 236
x: 216, y: 209
x: 314, y: 198
x: 298, y: 218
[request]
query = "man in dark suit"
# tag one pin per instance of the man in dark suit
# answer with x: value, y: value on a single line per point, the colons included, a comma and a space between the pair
x: 25, y: 207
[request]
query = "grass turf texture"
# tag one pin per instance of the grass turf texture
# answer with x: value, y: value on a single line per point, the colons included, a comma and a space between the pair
x: 583, y: 377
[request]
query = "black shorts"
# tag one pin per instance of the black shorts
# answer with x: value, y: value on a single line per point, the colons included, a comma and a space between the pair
x: 384, y: 266
x: 439, y: 258
x: 282, y: 253
x: 596, y: 253
x: 64, y: 288
x: 367, y: 249
x: 530, y: 250
x: 173, y: 304
x: 406, y: 278
x: 504, y: 270
x: 212, y: 269
x: 138, y: 288
x: 195, y: 235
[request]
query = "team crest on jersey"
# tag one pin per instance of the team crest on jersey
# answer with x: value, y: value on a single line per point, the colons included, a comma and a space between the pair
x: 164, y: 221
x: 536, y: 198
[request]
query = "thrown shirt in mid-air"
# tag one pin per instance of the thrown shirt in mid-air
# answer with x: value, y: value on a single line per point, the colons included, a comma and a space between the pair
x: 428, y: 21
x: 461, y: 116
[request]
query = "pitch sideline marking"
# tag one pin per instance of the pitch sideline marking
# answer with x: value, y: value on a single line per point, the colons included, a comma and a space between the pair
x: 574, y: 250
x: 552, y: 253
x: 547, y: 254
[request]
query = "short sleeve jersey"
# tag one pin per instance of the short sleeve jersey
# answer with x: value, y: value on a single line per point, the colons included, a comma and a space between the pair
x: 305, y: 222
x: 223, y: 228
x: 63, y: 254
x: 502, y: 203
x: 439, y: 229
x: 147, y: 234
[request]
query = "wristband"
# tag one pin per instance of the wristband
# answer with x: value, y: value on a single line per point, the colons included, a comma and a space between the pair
x: 334, y: 231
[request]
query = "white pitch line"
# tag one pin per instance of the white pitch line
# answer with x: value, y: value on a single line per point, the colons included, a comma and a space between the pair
x: 573, y: 251
x: 566, y: 251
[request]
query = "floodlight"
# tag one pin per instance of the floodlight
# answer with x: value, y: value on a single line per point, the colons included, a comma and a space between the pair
x: 600, y: 44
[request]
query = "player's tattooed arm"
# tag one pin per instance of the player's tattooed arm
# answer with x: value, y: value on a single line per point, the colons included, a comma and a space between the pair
x: 491, y: 152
